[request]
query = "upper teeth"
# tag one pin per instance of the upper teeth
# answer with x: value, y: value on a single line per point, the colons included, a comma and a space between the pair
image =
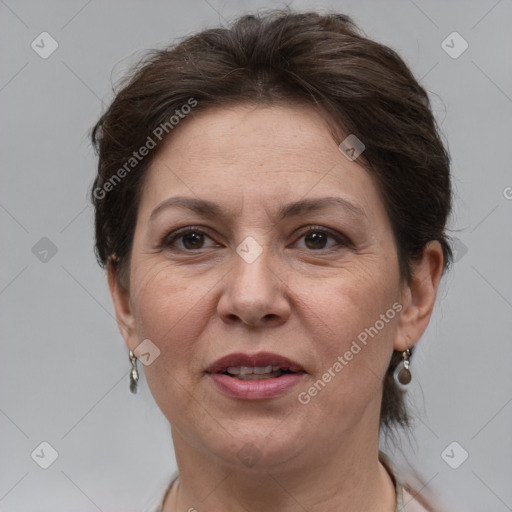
x: 247, y: 370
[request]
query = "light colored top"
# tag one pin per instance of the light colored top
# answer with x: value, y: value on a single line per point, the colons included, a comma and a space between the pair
x: 405, y: 502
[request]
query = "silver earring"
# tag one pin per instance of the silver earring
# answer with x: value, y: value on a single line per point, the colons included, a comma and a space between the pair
x: 134, y: 373
x: 402, y: 374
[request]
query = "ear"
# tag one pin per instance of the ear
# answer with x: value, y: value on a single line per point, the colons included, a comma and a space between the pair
x: 122, y: 306
x: 418, y: 297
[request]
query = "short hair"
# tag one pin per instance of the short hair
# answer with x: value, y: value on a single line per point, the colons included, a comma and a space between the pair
x: 273, y: 58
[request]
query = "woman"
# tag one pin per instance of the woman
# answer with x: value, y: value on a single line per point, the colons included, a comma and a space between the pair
x: 271, y: 203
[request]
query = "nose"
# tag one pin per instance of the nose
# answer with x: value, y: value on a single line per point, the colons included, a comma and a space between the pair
x: 255, y: 293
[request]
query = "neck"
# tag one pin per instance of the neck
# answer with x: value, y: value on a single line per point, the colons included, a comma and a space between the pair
x: 341, y: 476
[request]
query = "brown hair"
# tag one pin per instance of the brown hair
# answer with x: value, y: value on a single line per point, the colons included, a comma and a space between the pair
x: 274, y: 58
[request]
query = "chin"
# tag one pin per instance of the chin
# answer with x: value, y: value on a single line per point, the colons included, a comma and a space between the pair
x: 255, y: 447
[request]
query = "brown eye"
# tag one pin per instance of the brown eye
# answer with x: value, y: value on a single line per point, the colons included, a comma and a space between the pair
x: 316, y: 239
x: 191, y: 239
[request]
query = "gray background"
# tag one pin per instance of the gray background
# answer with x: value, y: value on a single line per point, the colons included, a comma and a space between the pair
x: 64, y: 366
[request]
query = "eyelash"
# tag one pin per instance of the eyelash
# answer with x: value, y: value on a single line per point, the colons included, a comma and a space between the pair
x: 172, y: 237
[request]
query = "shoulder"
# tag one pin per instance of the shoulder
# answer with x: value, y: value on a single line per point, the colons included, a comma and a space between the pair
x: 410, y: 503
x: 158, y: 505
x: 406, y: 499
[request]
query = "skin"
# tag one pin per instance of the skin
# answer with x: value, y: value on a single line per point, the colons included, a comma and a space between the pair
x: 303, y: 298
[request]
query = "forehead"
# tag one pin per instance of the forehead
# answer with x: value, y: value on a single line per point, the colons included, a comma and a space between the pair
x: 259, y: 156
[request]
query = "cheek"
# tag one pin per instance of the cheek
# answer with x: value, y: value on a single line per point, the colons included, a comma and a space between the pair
x: 351, y: 302
x: 355, y: 325
x: 171, y: 312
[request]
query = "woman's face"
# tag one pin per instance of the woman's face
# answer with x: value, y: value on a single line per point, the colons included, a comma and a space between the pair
x: 251, y: 280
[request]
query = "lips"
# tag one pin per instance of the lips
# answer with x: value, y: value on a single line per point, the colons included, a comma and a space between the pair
x: 244, y: 364
x: 261, y: 376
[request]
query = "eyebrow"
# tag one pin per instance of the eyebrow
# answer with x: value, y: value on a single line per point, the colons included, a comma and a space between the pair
x: 213, y: 210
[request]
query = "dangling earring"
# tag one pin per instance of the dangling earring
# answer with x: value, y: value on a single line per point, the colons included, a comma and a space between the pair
x: 402, y: 374
x: 134, y: 374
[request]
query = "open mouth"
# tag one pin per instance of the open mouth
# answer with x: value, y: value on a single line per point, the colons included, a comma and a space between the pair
x: 260, y: 376
x: 263, y: 365
x: 256, y: 372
